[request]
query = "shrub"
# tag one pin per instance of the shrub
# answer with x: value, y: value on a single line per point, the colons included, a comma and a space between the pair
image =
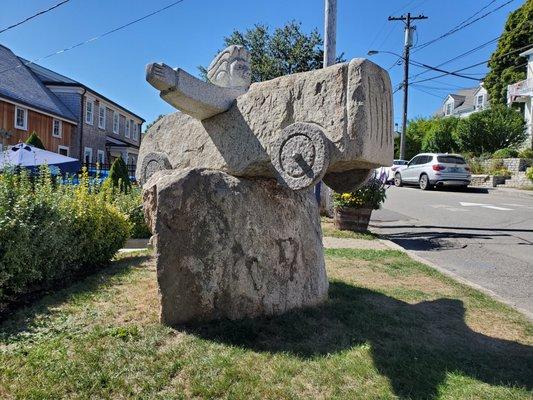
x: 49, y: 233
x: 529, y: 173
x: 130, y: 204
x: 118, y: 175
x: 489, y: 130
x: 498, y: 168
x: 35, y: 141
x: 505, y: 153
x: 526, y: 153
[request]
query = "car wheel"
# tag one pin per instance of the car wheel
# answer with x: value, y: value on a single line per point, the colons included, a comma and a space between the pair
x: 397, y: 179
x: 423, y: 182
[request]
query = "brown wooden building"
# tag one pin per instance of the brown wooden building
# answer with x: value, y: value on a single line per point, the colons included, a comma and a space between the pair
x: 56, y: 134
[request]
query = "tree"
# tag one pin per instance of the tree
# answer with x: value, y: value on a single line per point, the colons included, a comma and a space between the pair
x: 489, y: 130
x: 35, y: 141
x: 440, y: 137
x: 285, y: 51
x: 118, y: 175
x: 416, y: 131
x: 506, y: 68
x: 150, y: 124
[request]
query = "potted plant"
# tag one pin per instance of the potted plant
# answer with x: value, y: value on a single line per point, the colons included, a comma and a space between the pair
x: 352, y: 210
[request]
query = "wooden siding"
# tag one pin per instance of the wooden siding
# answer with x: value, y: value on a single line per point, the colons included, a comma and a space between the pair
x: 40, y: 123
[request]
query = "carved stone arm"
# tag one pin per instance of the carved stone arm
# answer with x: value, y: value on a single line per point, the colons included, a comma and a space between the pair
x: 189, y: 94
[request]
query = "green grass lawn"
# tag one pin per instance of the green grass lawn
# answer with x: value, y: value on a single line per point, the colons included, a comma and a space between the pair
x: 392, y: 328
x: 328, y: 229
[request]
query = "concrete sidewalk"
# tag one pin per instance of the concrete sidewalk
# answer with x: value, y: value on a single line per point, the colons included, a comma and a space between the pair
x: 346, y: 243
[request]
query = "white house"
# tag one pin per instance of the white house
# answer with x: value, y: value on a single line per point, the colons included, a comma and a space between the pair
x: 464, y: 102
x: 522, y: 92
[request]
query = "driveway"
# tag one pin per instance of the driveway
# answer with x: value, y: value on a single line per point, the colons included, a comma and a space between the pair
x: 485, y: 237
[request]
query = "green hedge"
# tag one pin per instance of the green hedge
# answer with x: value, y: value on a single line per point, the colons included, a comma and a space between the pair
x: 49, y: 232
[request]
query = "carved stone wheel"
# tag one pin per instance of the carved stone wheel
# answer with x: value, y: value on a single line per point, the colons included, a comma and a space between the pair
x: 151, y: 163
x: 300, y: 155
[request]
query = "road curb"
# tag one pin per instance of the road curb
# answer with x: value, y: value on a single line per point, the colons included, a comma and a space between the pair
x: 456, y: 277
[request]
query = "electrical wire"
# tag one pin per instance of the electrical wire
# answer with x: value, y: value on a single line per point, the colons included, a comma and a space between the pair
x: 477, y: 64
x: 463, y: 24
x: 95, y: 38
x: 33, y: 16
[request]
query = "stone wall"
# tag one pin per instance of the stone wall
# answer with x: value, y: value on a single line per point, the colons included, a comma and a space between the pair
x: 514, y: 165
x: 485, y: 180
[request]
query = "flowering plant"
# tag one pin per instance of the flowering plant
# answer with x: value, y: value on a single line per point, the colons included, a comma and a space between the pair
x: 370, y: 195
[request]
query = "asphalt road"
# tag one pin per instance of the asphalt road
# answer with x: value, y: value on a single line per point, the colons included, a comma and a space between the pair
x: 485, y: 237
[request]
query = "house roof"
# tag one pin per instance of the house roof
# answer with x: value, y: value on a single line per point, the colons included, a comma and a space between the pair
x: 49, y: 77
x: 19, y: 84
x: 526, y: 53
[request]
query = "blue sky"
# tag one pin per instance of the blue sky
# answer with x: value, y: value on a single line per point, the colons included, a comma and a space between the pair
x: 189, y: 34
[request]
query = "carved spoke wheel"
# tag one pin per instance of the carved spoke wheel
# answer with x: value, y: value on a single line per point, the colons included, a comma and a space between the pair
x: 300, y: 155
x: 151, y: 163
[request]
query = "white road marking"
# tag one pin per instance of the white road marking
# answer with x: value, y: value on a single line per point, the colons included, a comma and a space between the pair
x: 498, y: 208
x: 466, y: 204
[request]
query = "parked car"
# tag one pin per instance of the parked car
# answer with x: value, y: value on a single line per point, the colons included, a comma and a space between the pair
x: 434, y: 169
x: 386, y: 174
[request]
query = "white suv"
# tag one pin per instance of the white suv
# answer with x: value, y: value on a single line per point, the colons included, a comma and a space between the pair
x: 434, y: 169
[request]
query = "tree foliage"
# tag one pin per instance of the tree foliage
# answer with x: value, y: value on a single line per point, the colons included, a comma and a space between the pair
x: 507, y: 68
x: 416, y: 131
x: 440, y: 137
x: 284, y: 51
x: 35, y: 141
x: 489, y: 130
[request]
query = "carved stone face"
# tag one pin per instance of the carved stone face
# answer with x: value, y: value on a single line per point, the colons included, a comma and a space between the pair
x: 231, y: 68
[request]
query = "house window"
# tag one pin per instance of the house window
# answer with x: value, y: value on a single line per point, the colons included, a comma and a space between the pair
x: 101, y: 116
x: 57, y: 128
x: 115, y: 122
x: 479, y: 102
x: 136, y: 129
x: 449, y: 109
x: 21, y: 118
x: 88, y: 155
x: 127, y: 133
x: 101, y: 157
x: 63, y: 150
x: 89, y: 112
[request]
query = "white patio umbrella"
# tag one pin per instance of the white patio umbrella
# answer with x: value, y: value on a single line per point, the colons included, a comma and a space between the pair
x: 27, y: 156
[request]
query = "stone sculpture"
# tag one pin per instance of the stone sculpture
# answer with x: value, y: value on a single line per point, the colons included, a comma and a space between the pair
x: 230, y: 242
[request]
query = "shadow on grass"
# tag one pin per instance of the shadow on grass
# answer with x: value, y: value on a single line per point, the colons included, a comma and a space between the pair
x: 415, y: 346
x: 21, y: 316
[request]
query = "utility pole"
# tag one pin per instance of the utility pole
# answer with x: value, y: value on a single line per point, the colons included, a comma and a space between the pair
x: 330, y: 32
x: 330, y: 43
x: 407, y: 45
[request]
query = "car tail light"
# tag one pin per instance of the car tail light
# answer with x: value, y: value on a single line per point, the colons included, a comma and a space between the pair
x: 467, y: 169
x: 438, y: 167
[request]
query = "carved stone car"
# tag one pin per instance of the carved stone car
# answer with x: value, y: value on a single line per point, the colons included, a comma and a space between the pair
x: 333, y: 124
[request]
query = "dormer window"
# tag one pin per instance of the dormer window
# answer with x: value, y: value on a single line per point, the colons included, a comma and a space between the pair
x: 480, y: 100
x: 449, y: 108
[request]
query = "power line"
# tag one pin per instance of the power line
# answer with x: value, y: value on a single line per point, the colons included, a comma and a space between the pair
x: 468, y: 52
x: 463, y: 24
x: 96, y: 37
x: 416, y: 87
x: 429, y: 67
x: 33, y: 16
x: 477, y: 64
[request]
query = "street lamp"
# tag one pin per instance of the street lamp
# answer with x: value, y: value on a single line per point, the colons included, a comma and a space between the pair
x: 405, y: 93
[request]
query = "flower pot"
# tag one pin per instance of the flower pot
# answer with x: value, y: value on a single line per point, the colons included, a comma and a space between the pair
x: 352, y: 219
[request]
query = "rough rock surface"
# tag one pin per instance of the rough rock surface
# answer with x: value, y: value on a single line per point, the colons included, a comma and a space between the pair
x: 351, y: 102
x: 229, y: 247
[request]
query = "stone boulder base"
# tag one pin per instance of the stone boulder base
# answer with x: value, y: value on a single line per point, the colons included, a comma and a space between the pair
x: 232, y: 248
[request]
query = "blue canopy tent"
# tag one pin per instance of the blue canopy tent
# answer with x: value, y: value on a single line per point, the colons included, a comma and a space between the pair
x: 27, y: 156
